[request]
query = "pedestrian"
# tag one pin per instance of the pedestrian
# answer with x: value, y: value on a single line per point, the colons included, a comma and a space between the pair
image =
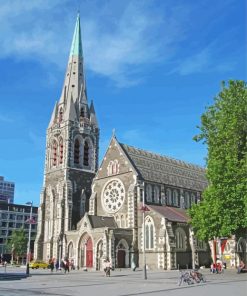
x: 66, y: 265
x: 241, y: 266
x: 57, y: 265
x: 107, y: 267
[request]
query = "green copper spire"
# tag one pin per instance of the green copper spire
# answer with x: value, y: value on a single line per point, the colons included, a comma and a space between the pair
x: 76, y: 47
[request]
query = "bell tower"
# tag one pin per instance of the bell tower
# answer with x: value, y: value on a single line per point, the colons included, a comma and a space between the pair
x: 71, y: 161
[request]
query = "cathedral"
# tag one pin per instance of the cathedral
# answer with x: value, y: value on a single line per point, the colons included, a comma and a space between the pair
x: 131, y: 209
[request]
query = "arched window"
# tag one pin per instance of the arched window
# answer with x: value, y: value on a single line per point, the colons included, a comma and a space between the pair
x: 187, y: 200
x: 82, y: 113
x: 122, y: 221
x: 179, y: 240
x: 77, y: 152
x: 118, y: 221
x: 86, y: 154
x: 149, y: 193
x: 61, y: 151
x: 193, y: 198
x: 149, y: 233
x: 169, y: 196
x: 163, y: 199
x: 60, y: 117
x: 147, y: 230
x: 54, y: 153
x: 156, y: 194
x: 71, y: 250
x: 113, y: 168
x: 175, y: 197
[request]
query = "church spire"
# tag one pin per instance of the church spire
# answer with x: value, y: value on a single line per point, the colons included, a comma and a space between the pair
x: 76, y: 46
x: 74, y: 82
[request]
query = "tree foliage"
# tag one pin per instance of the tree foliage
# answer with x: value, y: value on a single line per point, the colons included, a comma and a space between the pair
x: 17, y: 242
x: 223, y: 209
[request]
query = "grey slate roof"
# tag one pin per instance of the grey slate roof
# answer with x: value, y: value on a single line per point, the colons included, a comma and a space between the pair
x: 161, y: 169
x: 102, y: 221
x: 170, y: 213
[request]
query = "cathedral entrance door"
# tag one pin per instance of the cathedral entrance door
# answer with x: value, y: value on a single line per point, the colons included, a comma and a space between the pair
x: 121, y: 258
x: 89, y: 253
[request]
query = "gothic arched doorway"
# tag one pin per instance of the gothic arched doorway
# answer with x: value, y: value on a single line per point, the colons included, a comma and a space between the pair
x: 122, y: 254
x: 121, y: 258
x: 89, y: 253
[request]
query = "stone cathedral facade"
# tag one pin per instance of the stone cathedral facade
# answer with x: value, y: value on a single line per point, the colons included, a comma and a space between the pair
x: 88, y: 213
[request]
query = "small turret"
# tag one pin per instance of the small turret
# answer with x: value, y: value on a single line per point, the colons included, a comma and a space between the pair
x: 93, y: 118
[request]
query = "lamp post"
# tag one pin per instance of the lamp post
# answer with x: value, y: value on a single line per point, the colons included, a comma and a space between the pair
x: 30, y: 203
x: 144, y: 209
x: 60, y: 254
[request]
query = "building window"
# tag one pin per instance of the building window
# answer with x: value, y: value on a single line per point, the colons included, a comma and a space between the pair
x: 60, y: 118
x: 113, y: 167
x: 156, y: 194
x: 175, y: 197
x: 149, y: 233
x: 122, y: 221
x: 61, y: 151
x: 118, y: 221
x: 187, y: 200
x: 76, y: 152
x: 193, y: 198
x: 54, y: 153
x: 82, y: 113
x: 149, y: 193
x: 169, y: 196
x: 86, y: 154
x: 179, y: 240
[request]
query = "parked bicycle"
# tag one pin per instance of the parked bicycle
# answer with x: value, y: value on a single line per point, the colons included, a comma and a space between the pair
x: 190, y: 277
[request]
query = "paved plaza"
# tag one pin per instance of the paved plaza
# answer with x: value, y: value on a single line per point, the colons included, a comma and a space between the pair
x: 121, y: 283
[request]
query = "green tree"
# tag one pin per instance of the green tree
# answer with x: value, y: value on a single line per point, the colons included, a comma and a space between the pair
x: 17, y: 243
x: 223, y: 209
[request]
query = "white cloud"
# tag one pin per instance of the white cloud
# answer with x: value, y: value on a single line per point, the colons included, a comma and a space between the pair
x: 116, y: 43
x: 205, y: 60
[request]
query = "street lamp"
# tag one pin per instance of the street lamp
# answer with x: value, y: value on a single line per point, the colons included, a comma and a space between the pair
x: 144, y: 209
x: 60, y: 254
x: 30, y: 221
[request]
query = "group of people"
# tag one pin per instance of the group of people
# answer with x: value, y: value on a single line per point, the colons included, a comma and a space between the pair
x: 65, y: 264
x: 217, y: 267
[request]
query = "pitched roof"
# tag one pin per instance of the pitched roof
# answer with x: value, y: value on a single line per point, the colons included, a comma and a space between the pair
x: 102, y: 221
x: 162, y: 169
x: 170, y: 213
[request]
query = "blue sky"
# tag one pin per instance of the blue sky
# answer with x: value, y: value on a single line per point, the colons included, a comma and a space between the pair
x: 152, y: 67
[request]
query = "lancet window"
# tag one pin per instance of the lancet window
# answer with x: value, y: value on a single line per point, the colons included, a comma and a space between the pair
x: 149, y: 193
x: 54, y: 153
x: 149, y: 233
x: 77, y: 152
x: 86, y: 154
x: 175, y: 197
x: 61, y: 151
x: 60, y: 117
x: 180, y: 243
x: 169, y: 196
x: 113, y: 167
x: 156, y: 194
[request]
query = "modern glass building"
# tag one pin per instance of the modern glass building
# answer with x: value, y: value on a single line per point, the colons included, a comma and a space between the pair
x: 14, y: 216
x: 7, y: 190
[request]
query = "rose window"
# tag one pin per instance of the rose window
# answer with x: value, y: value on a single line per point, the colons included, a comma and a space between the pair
x: 113, y: 196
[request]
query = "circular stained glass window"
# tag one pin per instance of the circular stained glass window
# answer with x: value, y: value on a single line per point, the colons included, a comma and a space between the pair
x: 113, y: 196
